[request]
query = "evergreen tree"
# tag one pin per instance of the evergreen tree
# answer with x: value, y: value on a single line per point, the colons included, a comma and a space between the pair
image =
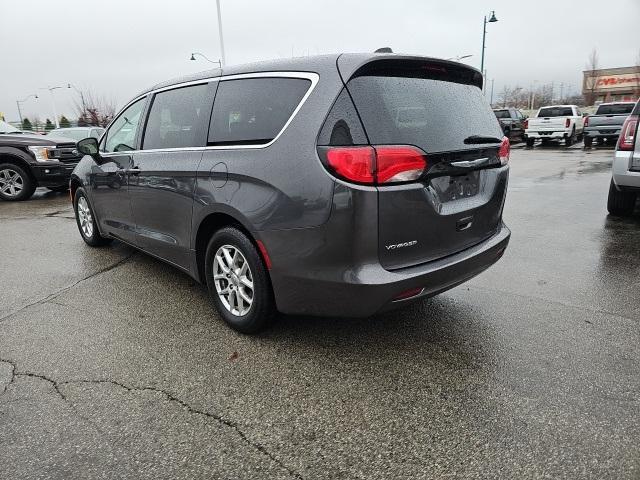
x: 26, y: 124
x: 48, y: 125
x: 64, y: 122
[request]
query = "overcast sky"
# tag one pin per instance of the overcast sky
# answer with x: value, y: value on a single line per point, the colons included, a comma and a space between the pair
x: 117, y: 47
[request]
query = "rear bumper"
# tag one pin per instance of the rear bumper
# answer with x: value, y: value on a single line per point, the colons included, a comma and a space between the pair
x: 602, y: 132
x: 542, y: 134
x: 369, y: 288
x: 622, y: 176
x: 53, y: 174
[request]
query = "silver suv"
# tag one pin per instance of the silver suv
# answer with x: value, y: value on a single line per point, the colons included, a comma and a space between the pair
x: 625, y: 182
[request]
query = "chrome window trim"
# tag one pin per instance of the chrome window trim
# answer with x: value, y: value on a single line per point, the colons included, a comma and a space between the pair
x: 313, y: 77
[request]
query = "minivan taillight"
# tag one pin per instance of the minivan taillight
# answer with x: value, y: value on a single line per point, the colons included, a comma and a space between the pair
x: 627, y: 140
x: 504, y: 151
x: 377, y: 165
x: 567, y: 122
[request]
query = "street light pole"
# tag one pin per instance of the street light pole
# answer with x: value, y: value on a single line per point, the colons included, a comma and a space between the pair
x: 18, y: 102
x: 53, y: 104
x: 222, y: 57
x: 492, y: 19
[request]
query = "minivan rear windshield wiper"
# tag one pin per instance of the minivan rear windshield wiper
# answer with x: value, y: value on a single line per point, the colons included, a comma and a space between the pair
x: 481, y: 139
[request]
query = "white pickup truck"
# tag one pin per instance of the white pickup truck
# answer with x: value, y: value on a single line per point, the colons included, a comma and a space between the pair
x: 555, y: 122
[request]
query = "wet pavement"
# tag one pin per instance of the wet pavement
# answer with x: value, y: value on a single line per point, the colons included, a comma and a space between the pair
x: 113, y: 364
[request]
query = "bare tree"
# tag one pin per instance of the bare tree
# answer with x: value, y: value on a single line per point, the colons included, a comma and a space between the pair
x: 94, y: 110
x: 591, y: 80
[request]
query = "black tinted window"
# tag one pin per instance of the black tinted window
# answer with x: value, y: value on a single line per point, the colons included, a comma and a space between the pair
x: 502, y: 113
x: 615, y: 109
x: 253, y: 111
x: 435, y: 115
x: 342, y: 126
x: 178, y: 118
x: 555, y: 112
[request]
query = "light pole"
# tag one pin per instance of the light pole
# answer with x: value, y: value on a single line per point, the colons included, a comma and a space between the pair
x: 223, y: 60
x: 18, y: 102
x: 53, y: 102
x: 492, y: 19
x: 206, y: 58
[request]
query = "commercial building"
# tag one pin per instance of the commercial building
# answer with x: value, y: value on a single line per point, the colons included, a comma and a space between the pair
x: 611, y: 85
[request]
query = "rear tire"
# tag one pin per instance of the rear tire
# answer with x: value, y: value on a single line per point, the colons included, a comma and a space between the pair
x: 619, y: 203
x: 238, y: 282
x: 15, y: 183
x: 568, y: 141
x: 530, y: 142
x: 86, y: 221
x: 588, y: 142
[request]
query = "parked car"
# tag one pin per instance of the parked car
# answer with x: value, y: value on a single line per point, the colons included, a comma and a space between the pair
x: 625, y: 182
x: 77, y: 133
x: 31, y: 161
x: 555, y: 122
x: 298, y: 193
x: 512, y: 121
x: 607, y: 122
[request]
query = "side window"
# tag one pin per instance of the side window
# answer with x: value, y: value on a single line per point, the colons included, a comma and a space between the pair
x: 121, y: 136
x: 95, y: 133
x: 342, y: 126
x: 178, y: 118
x: 253, y: 111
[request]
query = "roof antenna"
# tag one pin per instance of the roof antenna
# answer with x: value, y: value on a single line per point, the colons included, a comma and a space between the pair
x: 384, y: 50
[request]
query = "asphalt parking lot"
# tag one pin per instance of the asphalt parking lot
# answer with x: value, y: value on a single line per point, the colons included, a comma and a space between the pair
x: 114, y: 365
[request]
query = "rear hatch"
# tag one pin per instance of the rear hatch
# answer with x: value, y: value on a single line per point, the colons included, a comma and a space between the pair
x: 437, y: 109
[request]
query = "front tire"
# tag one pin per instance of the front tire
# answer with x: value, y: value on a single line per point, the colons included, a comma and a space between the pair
x: 238, y: 282
x: 619, y: 203
x: 86, y: 221
x: 15, y: 183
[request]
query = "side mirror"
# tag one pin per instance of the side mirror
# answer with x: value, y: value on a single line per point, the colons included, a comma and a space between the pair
x: 88, y: 146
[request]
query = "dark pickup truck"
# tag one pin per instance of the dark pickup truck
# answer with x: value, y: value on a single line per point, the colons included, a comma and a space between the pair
x: 31, y: 161
x: 607, y: 122
x: 511, y: 120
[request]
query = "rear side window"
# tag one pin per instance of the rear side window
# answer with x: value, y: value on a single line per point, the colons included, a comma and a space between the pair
x: 342, y: 126
x: 253, y: 111
x: 178, y: 118
x: 434, y: 114
x: 615, y: 109
x: 502, y: 114
x: 555, y: 112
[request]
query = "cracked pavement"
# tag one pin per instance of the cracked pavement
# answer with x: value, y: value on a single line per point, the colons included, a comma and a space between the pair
x: 113, y: 364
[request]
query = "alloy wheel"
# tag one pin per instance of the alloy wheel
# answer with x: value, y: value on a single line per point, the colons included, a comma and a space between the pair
x: 85, y: 217
x: 11, y: 182
x: 233, y: 280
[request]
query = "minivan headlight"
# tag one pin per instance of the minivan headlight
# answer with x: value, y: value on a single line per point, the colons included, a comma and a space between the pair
x: 42, y: 154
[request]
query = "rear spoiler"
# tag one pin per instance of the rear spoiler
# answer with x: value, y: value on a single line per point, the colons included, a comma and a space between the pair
x: 389, y: 64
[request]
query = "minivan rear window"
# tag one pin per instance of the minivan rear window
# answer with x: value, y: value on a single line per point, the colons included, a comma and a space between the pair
x: 555, y: 112
x: 615, y: 109
x: 433, y: 114
x: 253, y: 111
x: 502, y: 113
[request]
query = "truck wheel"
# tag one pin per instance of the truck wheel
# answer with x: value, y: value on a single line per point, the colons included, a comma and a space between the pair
x: 530, y: 142
x: 620, y: 203
x: 588, y: 142
x: 15, y: 183
x: 568, y: 141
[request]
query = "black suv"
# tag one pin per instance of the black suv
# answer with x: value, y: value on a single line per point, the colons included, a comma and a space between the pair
x: 337, y: 185
x: 31, y: 161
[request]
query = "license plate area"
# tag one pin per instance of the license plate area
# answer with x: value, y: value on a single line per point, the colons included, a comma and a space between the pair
x: 456, y: 187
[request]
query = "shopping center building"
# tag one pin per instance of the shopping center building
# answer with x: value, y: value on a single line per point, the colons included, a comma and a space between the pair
x: 611, y: 85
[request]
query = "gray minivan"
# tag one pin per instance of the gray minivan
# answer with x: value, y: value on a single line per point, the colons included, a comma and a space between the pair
x: 337, y: 185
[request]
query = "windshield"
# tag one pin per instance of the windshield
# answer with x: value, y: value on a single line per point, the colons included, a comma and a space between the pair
x: 502, y: 113
x: 71, y: 133
x: 555, y: 112
x: 435, y: 115
x: 615, y: 109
